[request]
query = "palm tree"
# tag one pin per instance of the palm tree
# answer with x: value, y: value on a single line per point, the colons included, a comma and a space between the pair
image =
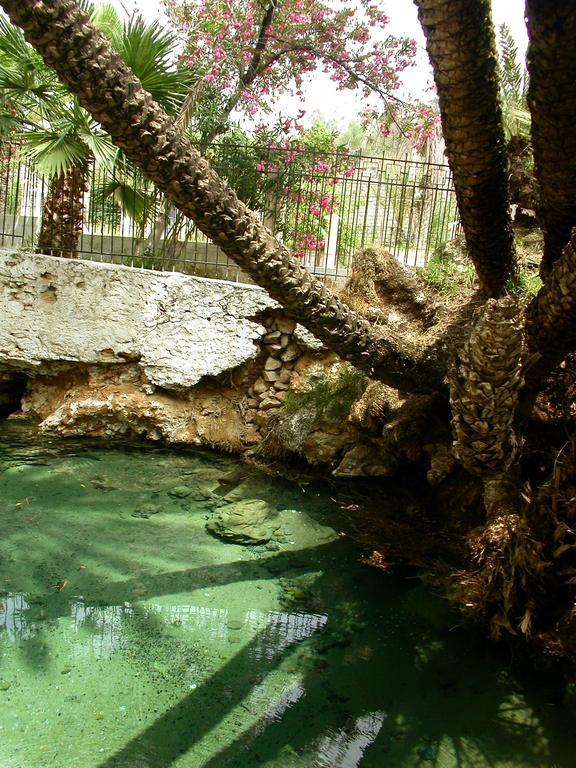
x: 54, y: 132
x: 82, y: 57
x: 145, y: 133
x: 62, y: 139
x: 461, y: 47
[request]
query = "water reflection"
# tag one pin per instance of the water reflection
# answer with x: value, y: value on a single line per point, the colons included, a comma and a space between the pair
x: 274, y: 631
x: 345, y: 748
x: 13, y: 617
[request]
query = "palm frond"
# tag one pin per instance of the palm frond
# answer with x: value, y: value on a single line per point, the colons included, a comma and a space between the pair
x: 513, y: 80
x: 106, y: 18
x: 512, y: 74
x: 189, y: 106
x: 53, y: 153
x: 101, y: 147
x: 517, y: 121
x: 13, y: 45
x: 139, y: 204
x: 149, y: 50
x: 22, y: 70
x: 9, y: 125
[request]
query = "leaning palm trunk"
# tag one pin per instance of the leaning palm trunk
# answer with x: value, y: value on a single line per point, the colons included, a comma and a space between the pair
x: 63, y: 215
x: 460, y: 43
x: 552, y: 101
x: 84, y: 60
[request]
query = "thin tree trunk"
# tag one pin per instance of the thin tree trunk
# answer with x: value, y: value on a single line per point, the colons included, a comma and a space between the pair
x: 63, y: 215
x: 552, y: 102
x: 84, y: 60
x: 461, y: 46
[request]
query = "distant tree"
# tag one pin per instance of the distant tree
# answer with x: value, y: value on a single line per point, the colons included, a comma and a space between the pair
x: 245, y: 54
x: 517, y: 123
x: 59, y: 137
x: 514, y: 87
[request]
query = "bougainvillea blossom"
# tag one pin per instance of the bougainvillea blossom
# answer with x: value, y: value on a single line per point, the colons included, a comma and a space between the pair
x: 246, y: 53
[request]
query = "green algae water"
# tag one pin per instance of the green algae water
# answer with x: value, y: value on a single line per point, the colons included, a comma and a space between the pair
x: 131, y: 637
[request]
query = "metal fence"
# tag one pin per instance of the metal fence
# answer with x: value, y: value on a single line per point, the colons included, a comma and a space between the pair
x: 324, y: 206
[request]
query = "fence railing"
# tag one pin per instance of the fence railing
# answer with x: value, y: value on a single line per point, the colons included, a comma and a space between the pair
x: 324, y: 206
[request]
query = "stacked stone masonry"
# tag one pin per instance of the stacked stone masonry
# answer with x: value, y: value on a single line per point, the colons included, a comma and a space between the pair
x: 280, y: 351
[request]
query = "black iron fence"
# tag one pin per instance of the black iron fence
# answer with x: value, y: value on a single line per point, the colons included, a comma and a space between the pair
x: 324, y: 206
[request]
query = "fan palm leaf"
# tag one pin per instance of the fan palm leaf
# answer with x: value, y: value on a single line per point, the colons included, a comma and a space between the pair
x: 53, y: 152
x: 149, y: 51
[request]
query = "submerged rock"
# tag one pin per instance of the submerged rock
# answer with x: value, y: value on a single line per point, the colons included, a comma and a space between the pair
x: 249, y: 489
x: 180, y: 491
x: 146, y: 510
x: 193, y: 492
x: 250, y: 521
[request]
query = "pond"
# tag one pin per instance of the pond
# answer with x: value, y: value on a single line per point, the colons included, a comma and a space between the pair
x: 130, y: 636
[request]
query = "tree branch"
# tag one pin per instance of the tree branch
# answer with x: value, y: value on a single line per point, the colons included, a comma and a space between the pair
x: 252, y: 70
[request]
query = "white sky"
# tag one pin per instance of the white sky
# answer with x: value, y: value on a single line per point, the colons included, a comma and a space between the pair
x: 340, y: 107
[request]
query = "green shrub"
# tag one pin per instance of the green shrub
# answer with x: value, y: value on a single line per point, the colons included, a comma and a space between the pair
x: 328, y: 396
x: 449, y: 270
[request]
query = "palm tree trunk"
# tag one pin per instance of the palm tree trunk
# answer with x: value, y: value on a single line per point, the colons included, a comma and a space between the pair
x: 83, y: 59
x: 551, y: 317
x: 552, y: 101
x: 461, y: 46
x: 63, y: 215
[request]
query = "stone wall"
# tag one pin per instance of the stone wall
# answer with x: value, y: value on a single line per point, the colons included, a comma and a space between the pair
x: 177, y: 328
x: 110, y: 350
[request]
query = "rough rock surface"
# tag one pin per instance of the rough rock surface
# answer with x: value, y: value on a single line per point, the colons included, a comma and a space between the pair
x: 106, y: 402
x: 176, y: 328
x: 250, y: 521
x: 110, y: 351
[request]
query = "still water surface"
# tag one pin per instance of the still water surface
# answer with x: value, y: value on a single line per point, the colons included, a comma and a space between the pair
x: 130, y: 637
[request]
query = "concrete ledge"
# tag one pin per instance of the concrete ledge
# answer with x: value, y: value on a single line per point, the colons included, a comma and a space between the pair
x: 177, y: 328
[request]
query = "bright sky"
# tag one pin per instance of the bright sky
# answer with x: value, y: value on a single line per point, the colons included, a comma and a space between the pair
x: 342, y: 107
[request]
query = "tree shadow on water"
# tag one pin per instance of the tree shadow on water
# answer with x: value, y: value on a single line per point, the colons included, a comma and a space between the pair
x: 372, y: 680
x: 386, y: 692
x: 414, y: 715
x: 366, y: 689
